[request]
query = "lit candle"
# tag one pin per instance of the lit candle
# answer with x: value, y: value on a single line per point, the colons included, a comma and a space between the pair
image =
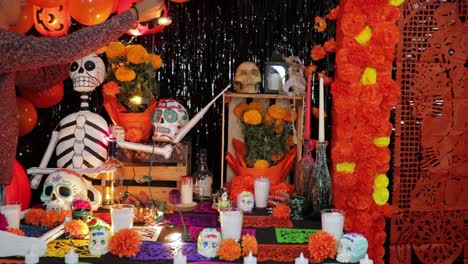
x: 12, y: 213
x: 321, y: 137
x: 71, y: 257
x: 274, y: 82
x: 250, y: 259
x: 180, y: 259
x: 261, y: 189
x: 186, y: 189
x: 308, y: 103
x: 231, y: 224
x: 333, y: 222
x: 121, y: 216
x: 301, y: 260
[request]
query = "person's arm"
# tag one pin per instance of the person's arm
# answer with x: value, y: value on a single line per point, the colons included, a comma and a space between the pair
x: 43, y: 77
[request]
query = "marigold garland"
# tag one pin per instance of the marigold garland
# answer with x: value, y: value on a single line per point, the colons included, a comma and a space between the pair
x: 249, y: 244
x: 229, y: 250
x: 281, y: 211
x: 16, y: 231
x: 125, y: 243
x: 34, y: 216
x: 322, y: 245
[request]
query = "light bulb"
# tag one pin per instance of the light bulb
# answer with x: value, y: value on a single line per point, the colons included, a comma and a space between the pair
x: 164, y: 21
x: 136, y: 100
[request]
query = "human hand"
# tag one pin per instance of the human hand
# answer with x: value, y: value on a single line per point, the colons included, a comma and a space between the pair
x: 149, y: 9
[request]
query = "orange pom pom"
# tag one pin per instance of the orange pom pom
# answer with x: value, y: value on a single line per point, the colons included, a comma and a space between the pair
x: 249, y: 244
x: 322, y: 245
x: 281, y: 211
x: 125, y: 243
x: 34, y: 216
x: 76, y: 228
x: 16, y: 231
x: 229, y: 250
x: 51, y: 219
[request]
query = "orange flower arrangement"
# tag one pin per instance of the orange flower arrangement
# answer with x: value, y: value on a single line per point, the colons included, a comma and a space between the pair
x: 249, y: 244
x: 76, y: 228
x: 320, y: 24
x: 34, y: 216
x: 322, y: 245
x: 16, y: 231
x: 281, y: 211
x: 125, y: 243
x: 318, y: 52
x: 229, y: 250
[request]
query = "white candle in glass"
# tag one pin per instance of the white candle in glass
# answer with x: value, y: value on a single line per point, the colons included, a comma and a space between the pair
x: 231, y: 224
x: 12, y: 213
x: 333, y: 222
x: 180, y: 259
x: 121, y: 216
x: 250, y: 259
x: 301, y: 260
x: 321, y: 135
x: 261, y: 189
x: 186, y: 189
x: 274, y: 82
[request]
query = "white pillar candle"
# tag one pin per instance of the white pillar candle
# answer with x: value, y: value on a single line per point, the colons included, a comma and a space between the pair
x: 121, y: 216
x: 186, y: 189
x: 321, y: 136
x: 250, y: 259
x: 261, y: 189
x: 333, y: 222
x: 12, y: 213
x: 301, y: 260
x: 274, y: 82
x: 180, y: 259
x: 231, y: 224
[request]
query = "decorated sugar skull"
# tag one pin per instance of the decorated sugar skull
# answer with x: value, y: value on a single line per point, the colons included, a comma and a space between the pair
x: 208, y: 242
x: 169, y: 117
x: 61, y: 188
x: 247, y: 78
x: 245, y: 201
x: 352, y: 248
x: 99, y: 239
x: 87, y: 73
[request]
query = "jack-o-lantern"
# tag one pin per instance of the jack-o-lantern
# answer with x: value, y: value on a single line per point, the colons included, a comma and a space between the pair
x: 52, y: 21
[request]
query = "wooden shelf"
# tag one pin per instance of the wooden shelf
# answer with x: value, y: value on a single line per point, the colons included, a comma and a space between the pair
x: 262, y: 96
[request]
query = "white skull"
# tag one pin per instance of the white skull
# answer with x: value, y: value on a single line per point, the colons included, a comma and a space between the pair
x: 208, y: 242
x: 247, y: 78
x: 87, y: 73
x: 245, y: 201
x: 169, y: 117
x: 352, y: 248
x: 99, y: 239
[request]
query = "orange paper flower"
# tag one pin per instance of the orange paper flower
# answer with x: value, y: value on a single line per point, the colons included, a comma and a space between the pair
x: 229, y: 250
x: 111, y: 88
x: 322, y: 245
x: 333, y: 13
x: 16, y: 231
x: 309, y: 70
x: 320, y: 24
x: 34, y: 216
x: 133, y: 135
x: 51, y: 219
x: 330, y: 45
x: 76, y: 228
x: 249, y: 244
x: 281, y: 211
x: 125, y: 243
x: 318, y: 52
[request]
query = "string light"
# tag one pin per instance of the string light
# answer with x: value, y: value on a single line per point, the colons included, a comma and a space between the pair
x: 136, y: 100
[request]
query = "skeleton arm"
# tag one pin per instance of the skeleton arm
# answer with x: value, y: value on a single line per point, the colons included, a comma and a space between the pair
x: 43, y: 77
x: 36, y: 178
x: 14, y: 245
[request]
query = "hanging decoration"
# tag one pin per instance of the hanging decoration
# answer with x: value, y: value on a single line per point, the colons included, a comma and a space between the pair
x: 43, y: 98
x: 90, y: 12
x: 27, y: 116
x: 363, y: 95
x: 52, y: 21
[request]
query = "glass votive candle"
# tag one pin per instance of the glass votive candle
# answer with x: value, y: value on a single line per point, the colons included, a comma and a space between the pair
x: 261, y: 190
x: 333, y: 222
x: 231, y: 224
x: 12, y: 212
x: 122, y: 216
x: 186, y: 189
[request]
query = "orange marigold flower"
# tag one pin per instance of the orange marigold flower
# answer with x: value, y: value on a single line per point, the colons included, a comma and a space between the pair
x: 124, y: 74
x: 330, y: 45
x: 111, y: 88
x: 318, y: 52
x: 309, y: 70
x: 51, y: 219
x: 134, y: 135
x: 257, y: 106
x: 352, y: 24
x: 290, y: 115
x: 386, y: 34
x: 125, y: 243
x: 115, y: 49
x: 155, y: 60
x: 252, y: 117
x: 333, y: 13
x: 279, y: 126
x: 229, y: 250
x: 322, y: 245
x: 249, y: 244
x: 261, y: 164
x: 277, y: 111
x: 76, y: 228
x: 136, y: 54
x: 16, y: 231
x: 281, y: 211
x: 34, y: 216
x: 240, y: 109
x: 267, y: 118
x: 320, y: 24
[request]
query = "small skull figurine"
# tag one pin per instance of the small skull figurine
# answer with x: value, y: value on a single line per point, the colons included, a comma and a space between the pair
x: 87, y: 73
x: 99, y: 239
x: 245, y: 201
x: 169, y: 117
x: 352, y: 248
x: 208, y: 242
x: 247, y: 78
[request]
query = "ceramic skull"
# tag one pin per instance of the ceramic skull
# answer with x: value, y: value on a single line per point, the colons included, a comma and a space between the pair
x: 208, y: 242
x: 245, y: 201
x: 352, y: 248
x: 247, y: 78
x: 87, y: 73
x: 169, y: 117
x: 99, y: 239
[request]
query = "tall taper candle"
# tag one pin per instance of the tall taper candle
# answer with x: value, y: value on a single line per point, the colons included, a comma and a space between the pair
x: 308, y: 103
x: 321, y: 136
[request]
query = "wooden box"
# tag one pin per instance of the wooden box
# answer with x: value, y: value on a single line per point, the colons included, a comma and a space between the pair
x: 232, y: 127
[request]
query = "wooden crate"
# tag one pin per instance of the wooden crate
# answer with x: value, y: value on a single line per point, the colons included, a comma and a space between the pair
x: 232, y: 126
x: 165, y: 173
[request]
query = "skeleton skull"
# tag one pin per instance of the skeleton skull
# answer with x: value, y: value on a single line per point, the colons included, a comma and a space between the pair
x: 169, y: 117
x: 352, y: 248
x: 245, y: 201
x: 99, y: 239
x: 208, y: 242
x: 87, y: 73
x: 247, y: 78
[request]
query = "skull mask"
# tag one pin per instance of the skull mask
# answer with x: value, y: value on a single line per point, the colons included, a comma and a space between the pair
x: 87, y: 73
x: 247, y: 78
x: 245, y: 201
x: 352, y: 248
x: 99, y: 239
x: 169, y: 117
x: 208, y: 242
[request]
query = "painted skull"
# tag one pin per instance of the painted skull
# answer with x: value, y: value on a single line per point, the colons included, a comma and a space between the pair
x: 245, y: 201
x: 352, y: 248
x: 208, y: 242
x: 247, y: 78
x: 99, y: 239
x: 169, y: 117
x: 87, y: 73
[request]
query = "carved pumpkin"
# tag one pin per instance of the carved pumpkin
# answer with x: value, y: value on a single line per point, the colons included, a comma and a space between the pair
x: 18, y: 189
x: 52, y: 21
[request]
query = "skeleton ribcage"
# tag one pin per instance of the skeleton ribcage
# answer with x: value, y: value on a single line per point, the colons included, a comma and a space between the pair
x: 82, y: 141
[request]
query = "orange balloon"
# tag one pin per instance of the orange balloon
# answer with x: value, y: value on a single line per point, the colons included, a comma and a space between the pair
x: 180, y: 1
x: 90, y: 12
x: 26, y: 20
x: 43, y: 98
x: 19, y: 189
x: 46, y: 3
x: 27, y: 116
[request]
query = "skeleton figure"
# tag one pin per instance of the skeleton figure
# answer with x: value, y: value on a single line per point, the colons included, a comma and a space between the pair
x: 99, y: 239
x: 169, y: 117
x: 208, y: 242
x: 296, y: 83
x: 247, y: 78
x: 352, y: 248
x: 245, y: 201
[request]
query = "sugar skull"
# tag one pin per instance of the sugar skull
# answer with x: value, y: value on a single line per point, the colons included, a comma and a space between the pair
x: 87, y: 73
x: 245, y: 201
x: 99, y: 239
x: 247, y: 78
x: 169, y: 117
x: 352, y: 248
x: 208, y: 242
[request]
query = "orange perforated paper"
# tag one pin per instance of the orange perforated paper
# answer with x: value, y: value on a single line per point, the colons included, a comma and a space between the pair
x: 281, y: 253
x: 265, y: 221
